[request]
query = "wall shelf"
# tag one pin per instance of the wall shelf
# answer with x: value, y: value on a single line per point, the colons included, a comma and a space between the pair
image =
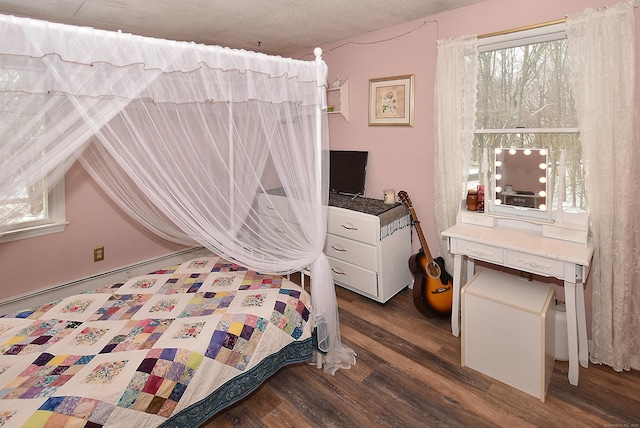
x: 343, y: 106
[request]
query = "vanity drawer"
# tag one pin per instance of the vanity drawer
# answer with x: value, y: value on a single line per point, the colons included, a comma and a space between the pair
x: 478, y: 251
x: 355, y: 277
x: 353, y: 225
x: 354, y: 252
x: 535, y: 264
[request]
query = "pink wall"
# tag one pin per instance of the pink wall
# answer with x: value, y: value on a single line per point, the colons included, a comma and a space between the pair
x: 402, y: 157
x: 37, y: 263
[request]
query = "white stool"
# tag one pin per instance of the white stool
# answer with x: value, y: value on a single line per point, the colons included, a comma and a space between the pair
x: 508, y: 330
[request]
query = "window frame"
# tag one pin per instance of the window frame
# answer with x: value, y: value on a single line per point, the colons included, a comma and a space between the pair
x: 54, y: 223
x: 521, y: 37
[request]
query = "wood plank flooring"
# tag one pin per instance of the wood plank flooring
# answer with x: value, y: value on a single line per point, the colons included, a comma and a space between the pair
x: 408, y: 374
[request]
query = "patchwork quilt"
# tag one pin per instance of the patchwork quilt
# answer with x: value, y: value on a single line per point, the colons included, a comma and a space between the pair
x: 166, y: 349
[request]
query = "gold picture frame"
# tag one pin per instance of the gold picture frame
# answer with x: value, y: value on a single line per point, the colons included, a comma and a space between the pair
x: 391, y: 101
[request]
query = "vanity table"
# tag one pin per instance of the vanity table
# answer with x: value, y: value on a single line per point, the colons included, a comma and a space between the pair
x: 518, y: 245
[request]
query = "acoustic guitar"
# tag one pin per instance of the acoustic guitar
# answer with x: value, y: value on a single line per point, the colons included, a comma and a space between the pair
x: 432, y: 288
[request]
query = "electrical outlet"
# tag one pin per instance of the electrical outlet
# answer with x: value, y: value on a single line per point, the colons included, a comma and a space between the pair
x: 98, y: 254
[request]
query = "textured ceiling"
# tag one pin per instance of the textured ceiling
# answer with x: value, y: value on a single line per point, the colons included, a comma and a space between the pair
x: 278, y: 27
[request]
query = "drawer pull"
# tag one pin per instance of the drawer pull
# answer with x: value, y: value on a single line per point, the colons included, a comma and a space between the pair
x: 339, y: 248
x: 349, y: 226
x: 338, y: 271
x: 534, y: 264
x: 277, y: 229
x: 271, y: 208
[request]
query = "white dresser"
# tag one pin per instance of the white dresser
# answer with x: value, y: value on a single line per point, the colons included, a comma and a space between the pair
x: 368, y: 242
x: 368, y: 245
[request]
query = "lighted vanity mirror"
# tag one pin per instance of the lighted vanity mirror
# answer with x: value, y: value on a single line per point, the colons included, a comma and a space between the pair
x: 520, y: 182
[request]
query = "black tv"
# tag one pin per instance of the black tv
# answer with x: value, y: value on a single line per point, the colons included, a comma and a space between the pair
x: 347, y: 172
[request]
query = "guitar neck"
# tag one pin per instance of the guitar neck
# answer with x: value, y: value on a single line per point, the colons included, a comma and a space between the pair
x: 423, y: 241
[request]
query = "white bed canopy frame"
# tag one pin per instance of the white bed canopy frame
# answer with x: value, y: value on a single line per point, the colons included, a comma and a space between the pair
x: 183, y: 136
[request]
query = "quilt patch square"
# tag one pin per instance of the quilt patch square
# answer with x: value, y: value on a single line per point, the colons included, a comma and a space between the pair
x: 235, y: 339
x: 207, y: 303
x: 222, y: 281
x: 186, y: 283
x: 89, y: 338
x: 225, y: 266
x: 72, y: 412
x: 162, y: 306
x: 44, y: 376
x: 192, y: 333
x: 137, y: 334
x: 105, y: 377
x: 120, y: 307
x: 255, y: 281
x: 160, y: 381
x: 145, y: 284
x: 77, y: 308
x: 199, y: 265
x: 290, y: 314
x: 37, y: 336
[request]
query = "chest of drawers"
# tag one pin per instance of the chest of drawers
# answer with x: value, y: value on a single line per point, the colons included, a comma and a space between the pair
x: 368, y: 244
x: 364, y: 261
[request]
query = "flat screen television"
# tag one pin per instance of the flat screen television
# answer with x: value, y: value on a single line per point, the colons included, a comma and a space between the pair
x: 347, y: 171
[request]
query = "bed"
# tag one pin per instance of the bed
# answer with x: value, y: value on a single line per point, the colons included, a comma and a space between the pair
x: 169, y: 349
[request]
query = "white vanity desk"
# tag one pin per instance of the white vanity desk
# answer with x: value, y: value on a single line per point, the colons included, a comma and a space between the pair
x: 526, y: 249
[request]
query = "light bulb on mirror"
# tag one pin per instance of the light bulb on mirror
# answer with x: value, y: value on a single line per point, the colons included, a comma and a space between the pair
x: 542, y: 193
x: 498, y: 177
x: 543, y: 166
x: 542, y: 180
x: 542, y: 207
x: 527, y: 152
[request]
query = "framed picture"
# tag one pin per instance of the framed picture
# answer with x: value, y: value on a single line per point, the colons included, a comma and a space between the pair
x: 391, y: 101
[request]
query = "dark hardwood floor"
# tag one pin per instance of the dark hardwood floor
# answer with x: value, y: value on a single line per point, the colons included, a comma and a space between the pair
x: 408, y: 374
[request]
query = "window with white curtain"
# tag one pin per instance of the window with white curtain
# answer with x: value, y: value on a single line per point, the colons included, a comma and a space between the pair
x: 525, y: 101
x: 32, y: 211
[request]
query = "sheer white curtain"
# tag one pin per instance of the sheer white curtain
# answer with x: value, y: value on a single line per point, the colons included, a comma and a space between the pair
x: 455, y: 116
x: 184, y: 136
x: 602, y: 52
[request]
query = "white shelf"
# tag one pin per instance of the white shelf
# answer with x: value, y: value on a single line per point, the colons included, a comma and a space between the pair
x: 344, y: 100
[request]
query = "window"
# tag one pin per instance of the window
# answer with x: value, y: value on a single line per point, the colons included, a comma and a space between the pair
x: 525, y: 101
x: 34, y: 212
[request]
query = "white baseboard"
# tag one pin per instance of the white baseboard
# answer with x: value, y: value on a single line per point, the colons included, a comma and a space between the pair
x: 60, y: 291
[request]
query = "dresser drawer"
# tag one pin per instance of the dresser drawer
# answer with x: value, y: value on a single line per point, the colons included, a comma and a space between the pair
x: 354, y: 252
x: 478, y: 251
x: 273, y: 206
x: 535, y: 264
x: 355, y: 277
x: 282, y: 232
x: 353, y: 225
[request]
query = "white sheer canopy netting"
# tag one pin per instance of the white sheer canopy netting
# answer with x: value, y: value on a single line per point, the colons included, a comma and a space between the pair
x: 184, y: 137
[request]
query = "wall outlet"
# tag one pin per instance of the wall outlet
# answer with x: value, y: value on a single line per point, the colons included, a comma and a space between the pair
x: 98, y: 254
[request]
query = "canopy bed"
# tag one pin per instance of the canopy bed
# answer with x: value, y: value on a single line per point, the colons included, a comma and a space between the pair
x: 184, y: 137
